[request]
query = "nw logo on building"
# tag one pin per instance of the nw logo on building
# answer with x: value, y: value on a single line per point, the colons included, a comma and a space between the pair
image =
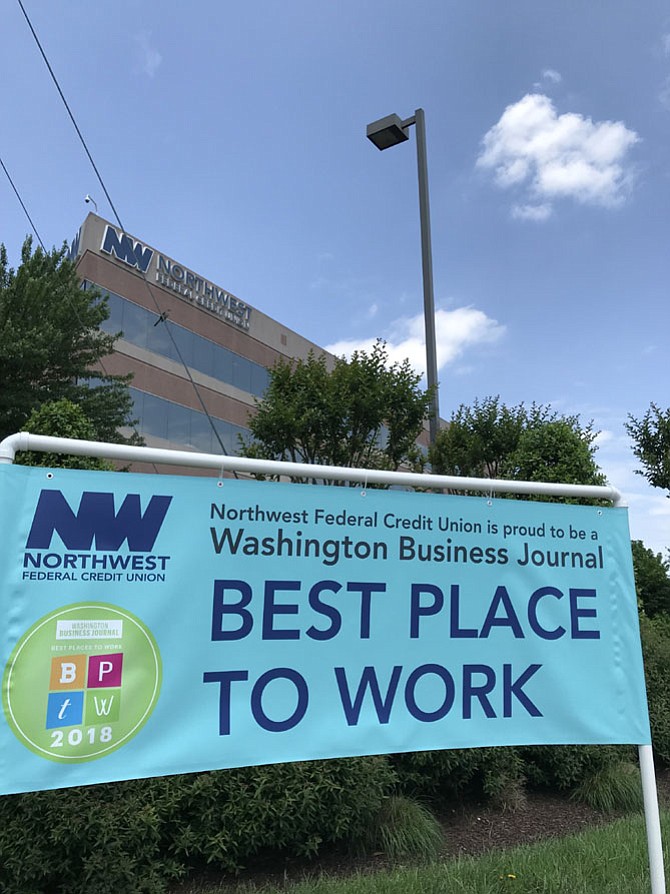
x: 126, y: 249
x: 97, y: 520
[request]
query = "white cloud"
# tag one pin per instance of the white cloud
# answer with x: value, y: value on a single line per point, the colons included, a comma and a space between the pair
x: 549, y: 78
x: 455, y: 331
x: 605, y: 436
x: 532, y: 212
x: 150, y: 58
x: 550, y: 74
x: 664, y: 90
x: 546, y: 157
x: 664, y: 93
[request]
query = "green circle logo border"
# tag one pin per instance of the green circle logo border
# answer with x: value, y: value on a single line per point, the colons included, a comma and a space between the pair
x: 24, y: 640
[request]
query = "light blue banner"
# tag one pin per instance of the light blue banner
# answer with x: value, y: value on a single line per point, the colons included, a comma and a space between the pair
x: 157, y: 625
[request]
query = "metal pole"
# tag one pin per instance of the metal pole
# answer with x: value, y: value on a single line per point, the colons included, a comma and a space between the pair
x: 652, y: 820
x: 427, y: 264
x: 245, y: 465
x: 652, y: 816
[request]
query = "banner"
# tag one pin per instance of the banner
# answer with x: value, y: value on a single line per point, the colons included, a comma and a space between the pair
x: 156, y: 625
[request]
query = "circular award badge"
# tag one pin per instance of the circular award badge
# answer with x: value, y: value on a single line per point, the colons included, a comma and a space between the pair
x: 81, y: 682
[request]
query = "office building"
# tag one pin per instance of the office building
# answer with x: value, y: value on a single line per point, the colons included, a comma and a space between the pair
x: 178, y: 326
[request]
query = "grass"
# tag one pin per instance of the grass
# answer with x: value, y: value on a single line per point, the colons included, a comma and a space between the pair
x: 614, y: 787
x: 608, y: 860
x: 404, y: 829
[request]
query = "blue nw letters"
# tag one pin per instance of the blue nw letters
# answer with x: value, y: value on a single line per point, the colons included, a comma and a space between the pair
x: 127, y: 250
x: 96, y: 518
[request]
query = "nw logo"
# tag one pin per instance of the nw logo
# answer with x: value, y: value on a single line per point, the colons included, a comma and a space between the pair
x: 96, y: 519
x: 126, y: 249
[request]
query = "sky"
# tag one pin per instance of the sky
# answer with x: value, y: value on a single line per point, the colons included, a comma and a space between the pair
x: 231, y: 136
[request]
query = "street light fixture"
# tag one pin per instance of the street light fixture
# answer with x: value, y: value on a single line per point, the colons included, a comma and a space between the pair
x: 384, y: 133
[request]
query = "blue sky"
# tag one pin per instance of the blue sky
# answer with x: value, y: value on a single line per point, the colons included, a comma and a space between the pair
x: 232, y: 137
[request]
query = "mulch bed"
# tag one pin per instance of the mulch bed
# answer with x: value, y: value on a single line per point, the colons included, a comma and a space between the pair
x: 469, y: 830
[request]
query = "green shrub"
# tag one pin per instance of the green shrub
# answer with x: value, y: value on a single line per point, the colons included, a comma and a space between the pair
x: 403, y: 829
x: 103, y: 838
x: 656, y: 652
x: 436, y: 775
x: 562, y: 767
x: 442, y: 776
x: 503, y: 779
x: 134, y: 837
x: 612, y: 787
x: 62, y: 419
x: 226, y: 817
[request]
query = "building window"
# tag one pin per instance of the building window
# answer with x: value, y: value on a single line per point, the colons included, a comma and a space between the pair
x: 137, y: 325
x: 164, y: 419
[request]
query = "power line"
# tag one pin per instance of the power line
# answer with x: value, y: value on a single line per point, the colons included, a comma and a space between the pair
x: 118, y: 220
x: 188, y: 371
x: 44, y: 249
x: 25, y: 210
x: 62, y: 96
x: 71, y: 302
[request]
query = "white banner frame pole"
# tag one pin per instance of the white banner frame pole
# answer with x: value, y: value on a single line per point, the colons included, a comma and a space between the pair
x: 652, y: 818
x: 246, y: 466
x: 126, y: 453
x: 652, y: 814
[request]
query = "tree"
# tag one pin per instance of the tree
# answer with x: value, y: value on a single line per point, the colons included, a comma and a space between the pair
x: 362, y: 413
x: 491, y: 440
x: 478, y: 439
x: 651, y: 435
x: 556, y: 450
x: 652, y: 583
x: 61, y: 419
x: 652, y: 580
x: 51, y: 345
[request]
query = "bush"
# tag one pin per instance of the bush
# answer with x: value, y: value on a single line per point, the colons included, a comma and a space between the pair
x: 61, y: 419
x: 656, y: 653
x: 563, y: 767
x: 613, y: 787
x: 403, y: 829
x: 436, y: 775
x: 136, y: 836
x: 103, y: 838
x: 226, y: 817
x: 441, y: 776
x: 503, y: 778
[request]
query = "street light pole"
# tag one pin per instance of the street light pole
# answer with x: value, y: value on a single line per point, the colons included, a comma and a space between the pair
x: 388, y: 132
x: 427, y: 266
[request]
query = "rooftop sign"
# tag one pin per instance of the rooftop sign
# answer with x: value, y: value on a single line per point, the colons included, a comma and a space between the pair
x: 170, y: 275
